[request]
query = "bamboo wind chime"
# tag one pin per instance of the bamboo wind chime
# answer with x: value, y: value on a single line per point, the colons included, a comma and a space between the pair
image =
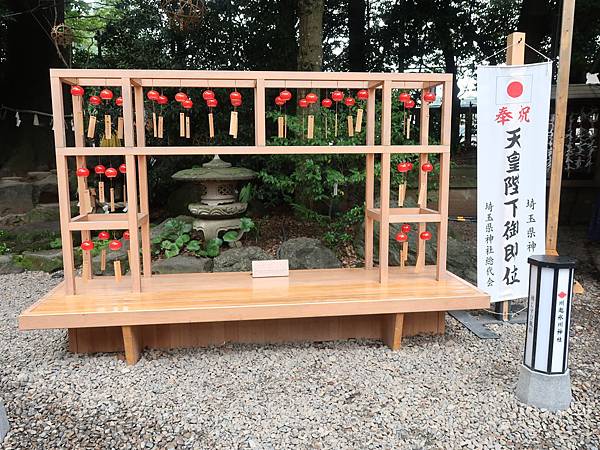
x: 303, y: 103
x: 236, y: 100
x: 211, y: 102
x: 311, y: 99
x: 362, y: 95
x: 326, y: 103
x: 402, y: 238
x: 350, y: 102
x: 404, y: 167
x: 280, y: 118
x: 337, y: 96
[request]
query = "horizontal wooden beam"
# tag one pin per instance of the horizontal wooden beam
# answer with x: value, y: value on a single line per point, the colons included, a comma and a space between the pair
x: 409, y: 215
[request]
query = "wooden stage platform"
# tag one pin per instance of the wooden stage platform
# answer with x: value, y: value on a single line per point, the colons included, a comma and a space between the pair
x: 192, y: 310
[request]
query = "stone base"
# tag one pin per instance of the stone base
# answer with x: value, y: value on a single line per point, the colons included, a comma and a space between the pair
x: 551, y: 392
x: 212, y: 227
x: 3, y: 422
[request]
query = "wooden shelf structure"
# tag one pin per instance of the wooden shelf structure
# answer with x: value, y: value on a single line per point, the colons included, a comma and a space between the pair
x: 81, y: 301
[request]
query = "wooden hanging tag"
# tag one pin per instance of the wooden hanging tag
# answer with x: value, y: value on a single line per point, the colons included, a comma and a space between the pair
x: 422, y: 197
x: 88, y: 200
x: 188, y: 128
x: 160, y: 127
x: 408, y: 127
x: 285, y: 127
x: 120, y: 128
x: 211, y: 125
x: 107, y: 126
x: 325, y: 125
x: 350, y: 126
x: 124, y: 194
x: 280, y: 126
x: 181, y: 125
x: 118, y: 274
x: 79, y: 124
x: 91, y: 132
x: 103, y: 260
x: 85, y: 271
x: 101, y: 197
x: 154, y: 127
x: 84, y: 200
x: 310, y: 134
x: 359, y: 118
x: 405, y: 251
x: 233, y: 124
x: 112, y: 199
x: 93, y: 198
x: 336, y: 125
x: 401, y: 193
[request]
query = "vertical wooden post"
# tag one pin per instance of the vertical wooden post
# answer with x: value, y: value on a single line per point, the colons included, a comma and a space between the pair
x: 132, y: 343
x: 393, y: 325
x: 422, y: 196
x: 370, y: 179
x: 260, y: 136
x: 560, y: 120
x: 384, y: 190
x: 444, y: 181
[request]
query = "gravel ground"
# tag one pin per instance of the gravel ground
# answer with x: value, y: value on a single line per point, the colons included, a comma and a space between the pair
x: 436, y: 392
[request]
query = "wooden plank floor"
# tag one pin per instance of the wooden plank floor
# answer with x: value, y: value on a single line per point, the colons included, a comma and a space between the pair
x: 212, y: 297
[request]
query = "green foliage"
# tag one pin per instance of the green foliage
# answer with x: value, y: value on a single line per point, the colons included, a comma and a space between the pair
x: 175, y: 238
x: 340, y: 230
x: 246, y: 193
x: 246, y: 225
x: 4, y: 249
x: 56, y: 243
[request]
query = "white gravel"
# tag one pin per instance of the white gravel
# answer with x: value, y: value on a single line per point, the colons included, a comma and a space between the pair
x: 436, y: 392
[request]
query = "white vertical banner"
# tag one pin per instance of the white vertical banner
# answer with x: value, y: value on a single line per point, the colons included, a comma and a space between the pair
x: 513, y: 105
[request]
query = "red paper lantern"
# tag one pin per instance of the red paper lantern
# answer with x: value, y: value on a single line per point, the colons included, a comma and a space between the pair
x: 425, y: 235
x: 187, y: 104
x: 126, y: 235
x: 115, y: 245
x: 162, y: 100
x: 311, y: 98
x: 279, y: 101
x: 402, y: 167
x: 87, y: 246
x: 409, y: 104
x: 303, y: 103
x: 405, y: 228
x: 236, y: 102
x: 404, y: 97
x: 208, y: 95
x: 349, y: 101
x: 83, y: 172
x: 111, y: 172
x: 123, y: 168
x: 285, y: 95
x: 77, y: 91
x: 152, y: 95
x: 429, y: 96
x: 235, y: 95
x: 106, y: 94
x: 409, y: 165
x: 326, y: 103
x: 104, y: 236
x: 95, y: 100
x: 99, y: 169
x: 337, y: 96
x: 427, y: 167
x: 212, y: 103
x: 119, y: 101
x: 363, y: 94
x: 181, y: 96
x: 401, y: 237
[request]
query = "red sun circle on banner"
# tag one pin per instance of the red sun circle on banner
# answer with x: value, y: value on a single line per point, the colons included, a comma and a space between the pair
x: 514, y: 89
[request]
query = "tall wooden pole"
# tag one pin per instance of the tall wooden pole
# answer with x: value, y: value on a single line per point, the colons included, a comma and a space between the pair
x: 560, y: 120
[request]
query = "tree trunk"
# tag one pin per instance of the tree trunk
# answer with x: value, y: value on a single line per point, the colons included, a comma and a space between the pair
x: 450, y: 63
x: 286, y: 35
x: 357, y: 43
x: 310, y: 40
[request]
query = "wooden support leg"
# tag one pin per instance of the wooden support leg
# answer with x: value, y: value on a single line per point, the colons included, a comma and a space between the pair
x: 392, y: 330
x: 132, y: 342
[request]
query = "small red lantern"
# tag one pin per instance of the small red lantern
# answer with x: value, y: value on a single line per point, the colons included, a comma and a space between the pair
x: 427, y: 167
x: 429, y: 96
x: 236, y: 102
x: 404, y: 97
x: 208, y: 95
x: 152, y: 95
x: 337, y: 96
x: 402, y: 167
x: 326, y: 103
x: 87, y: 246
x: 162, y: 100
x: 349, y: 101
x: 187, y: 104
x: 401, y: 237
x: 363, y: 94
x: 104, y: 236
x: 126, y: 235
x: 425, y: 235
x: 212, y: 103
x: 409, y: 104
x: 99, y: 169
x: 77, y: 91
x: 119, y: 101
x: 106, y: 94
x: 123, y: 168
x: 279, y: 101
x: 311, y: 98
x: 285, y: 95
x: 115, y: 245
x: 181, y: 96
x: 83, y: 172
x: 111, y: 172
x: 95, y: 100
x: 405, y: 228
x: 235, y: 95
x: 303, y: 103
x: 409, y: 165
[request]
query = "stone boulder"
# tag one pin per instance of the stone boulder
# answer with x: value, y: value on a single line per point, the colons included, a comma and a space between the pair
x: 44, y: 260
x: 15, y: 197
x: 45, y: 188
x: 307, y: 253
x: 8, y: 265
x: 182, y: 264
x: 32, y: 236
x: 239, y: 259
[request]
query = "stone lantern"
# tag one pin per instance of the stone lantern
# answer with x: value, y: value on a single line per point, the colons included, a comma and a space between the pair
x: 218, y: 208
